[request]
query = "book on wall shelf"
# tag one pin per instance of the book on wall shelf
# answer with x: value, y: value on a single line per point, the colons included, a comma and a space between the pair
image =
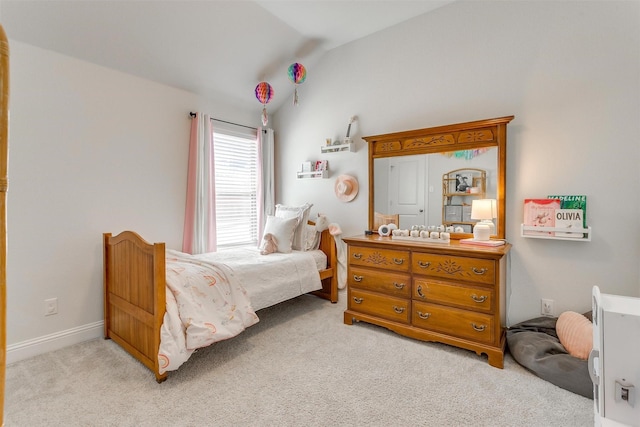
x: 540, y: 213
x: 575, y: 219
x: 571, y: 219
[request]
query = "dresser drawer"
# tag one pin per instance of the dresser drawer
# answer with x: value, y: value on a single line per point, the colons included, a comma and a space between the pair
x: 379, y: 305
x: 397, y: 284
x: 455, y: 268
x: 379, y: 258
x: 453, y: 321
x: 474, y: 298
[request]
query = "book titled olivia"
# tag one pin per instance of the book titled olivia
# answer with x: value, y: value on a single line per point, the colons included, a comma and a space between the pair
x: 570, y: 220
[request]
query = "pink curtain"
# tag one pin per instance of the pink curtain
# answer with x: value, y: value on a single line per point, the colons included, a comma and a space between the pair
x: 200, y: 216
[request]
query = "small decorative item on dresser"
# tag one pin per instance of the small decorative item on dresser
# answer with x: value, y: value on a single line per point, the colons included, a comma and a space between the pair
x: 384, y: 230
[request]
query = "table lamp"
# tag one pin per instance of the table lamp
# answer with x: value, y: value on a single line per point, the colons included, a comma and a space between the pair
x: 483, y: 210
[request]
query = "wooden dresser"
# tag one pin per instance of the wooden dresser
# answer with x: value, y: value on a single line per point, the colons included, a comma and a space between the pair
x: 453, y: 294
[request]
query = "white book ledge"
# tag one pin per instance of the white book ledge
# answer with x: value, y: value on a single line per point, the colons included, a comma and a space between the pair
x: 313, y: 174
x: 348, y: 147
x: 574, y: 234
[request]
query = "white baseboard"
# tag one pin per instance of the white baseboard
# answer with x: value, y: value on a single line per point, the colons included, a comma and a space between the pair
x: 26, y: 349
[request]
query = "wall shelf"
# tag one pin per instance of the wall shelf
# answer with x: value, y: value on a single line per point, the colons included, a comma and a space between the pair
x: 313, y: 175
x: 584, y: 234
x: 348, y: 147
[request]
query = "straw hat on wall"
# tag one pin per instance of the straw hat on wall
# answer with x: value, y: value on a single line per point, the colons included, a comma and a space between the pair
x: 346, y: 188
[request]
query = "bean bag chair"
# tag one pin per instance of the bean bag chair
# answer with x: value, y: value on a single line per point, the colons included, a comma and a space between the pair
x: 535, y: 345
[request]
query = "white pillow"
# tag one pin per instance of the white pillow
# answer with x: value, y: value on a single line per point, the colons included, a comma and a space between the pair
x: 302, y: 215
x: 283, y: 230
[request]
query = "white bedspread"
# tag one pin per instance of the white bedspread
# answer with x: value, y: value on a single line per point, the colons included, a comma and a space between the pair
x: 270, y: 279
x: 212, y: 297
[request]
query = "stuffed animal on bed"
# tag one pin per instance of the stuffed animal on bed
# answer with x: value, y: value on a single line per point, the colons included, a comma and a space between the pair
x: 322, y: 222
x: 270, y: 244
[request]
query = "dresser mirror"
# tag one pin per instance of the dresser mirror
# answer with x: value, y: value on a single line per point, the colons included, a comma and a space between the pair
x: 406, y: 170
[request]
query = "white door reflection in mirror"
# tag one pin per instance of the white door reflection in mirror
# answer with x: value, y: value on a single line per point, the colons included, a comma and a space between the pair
x: 404, y: 192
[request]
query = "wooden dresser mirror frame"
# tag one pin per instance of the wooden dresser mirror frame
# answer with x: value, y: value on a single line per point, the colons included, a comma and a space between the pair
x: 444, y: 139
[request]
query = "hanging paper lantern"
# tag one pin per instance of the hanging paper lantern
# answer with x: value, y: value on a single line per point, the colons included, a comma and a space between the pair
x: 297, y: 74
x: 264, y: 93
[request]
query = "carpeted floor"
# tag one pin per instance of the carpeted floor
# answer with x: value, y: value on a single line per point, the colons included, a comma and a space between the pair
x: 299, y: 366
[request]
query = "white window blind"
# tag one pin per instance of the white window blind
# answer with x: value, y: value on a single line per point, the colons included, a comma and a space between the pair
x: 236, y: 190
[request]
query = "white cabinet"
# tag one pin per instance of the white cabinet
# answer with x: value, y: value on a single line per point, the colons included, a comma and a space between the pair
x: 614, y: 362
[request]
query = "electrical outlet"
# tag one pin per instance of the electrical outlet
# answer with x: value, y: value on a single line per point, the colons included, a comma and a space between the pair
x: 50, y: 306
x: 546, y: 307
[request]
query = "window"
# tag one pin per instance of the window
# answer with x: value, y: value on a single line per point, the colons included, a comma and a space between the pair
x: 236, y: 189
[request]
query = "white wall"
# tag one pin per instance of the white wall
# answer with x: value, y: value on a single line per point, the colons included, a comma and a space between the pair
x: 91, y: 150
x: 568, y: 71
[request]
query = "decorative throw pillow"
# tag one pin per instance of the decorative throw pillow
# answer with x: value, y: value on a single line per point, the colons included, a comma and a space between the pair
x: 282, y: 230
x: 301, y: 213
x: 575, y: 333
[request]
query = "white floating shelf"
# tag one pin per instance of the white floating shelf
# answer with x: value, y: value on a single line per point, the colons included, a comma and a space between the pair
x: 350, y: 147
x: 577, y: 234
x: 313, y: 174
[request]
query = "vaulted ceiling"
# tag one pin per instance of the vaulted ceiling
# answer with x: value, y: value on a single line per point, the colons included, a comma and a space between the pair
x: 218, y: 49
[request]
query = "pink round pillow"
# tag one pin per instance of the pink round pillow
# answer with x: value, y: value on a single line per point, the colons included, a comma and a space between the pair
x: 575, y: 333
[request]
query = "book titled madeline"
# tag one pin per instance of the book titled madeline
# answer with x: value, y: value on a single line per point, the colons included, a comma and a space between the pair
x: 572, y: 214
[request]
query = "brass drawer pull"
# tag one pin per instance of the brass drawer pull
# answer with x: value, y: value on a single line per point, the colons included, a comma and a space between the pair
x: 398, y: 310
x: 398, y: 285
x: 419, y: 291
x: 358, y: 300
x: 424, y: 264
x: 424, y: 315
x: 398, y: 261
x: 478, y: 328
x: 357, y: 256
x: 358, y: 278
x: 479, y: 270
x: 479, y: 299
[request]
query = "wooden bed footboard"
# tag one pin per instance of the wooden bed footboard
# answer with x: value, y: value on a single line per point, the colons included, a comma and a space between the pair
x: 329, y: 277
x: 134, y: 296
x: 135, y: 292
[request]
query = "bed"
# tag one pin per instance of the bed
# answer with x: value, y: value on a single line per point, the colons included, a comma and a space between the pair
x: 137, y: 299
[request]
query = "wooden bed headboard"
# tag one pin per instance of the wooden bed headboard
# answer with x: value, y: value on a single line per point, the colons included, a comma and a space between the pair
x: 4, y: 146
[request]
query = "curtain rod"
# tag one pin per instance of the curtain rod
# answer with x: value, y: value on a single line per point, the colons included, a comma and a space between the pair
x: 192, y: 114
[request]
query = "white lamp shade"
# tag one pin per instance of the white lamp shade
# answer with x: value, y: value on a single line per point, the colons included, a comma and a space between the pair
x: 483, y: 209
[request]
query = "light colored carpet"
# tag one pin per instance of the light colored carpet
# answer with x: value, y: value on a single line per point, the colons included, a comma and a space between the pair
x: 299, y: 366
